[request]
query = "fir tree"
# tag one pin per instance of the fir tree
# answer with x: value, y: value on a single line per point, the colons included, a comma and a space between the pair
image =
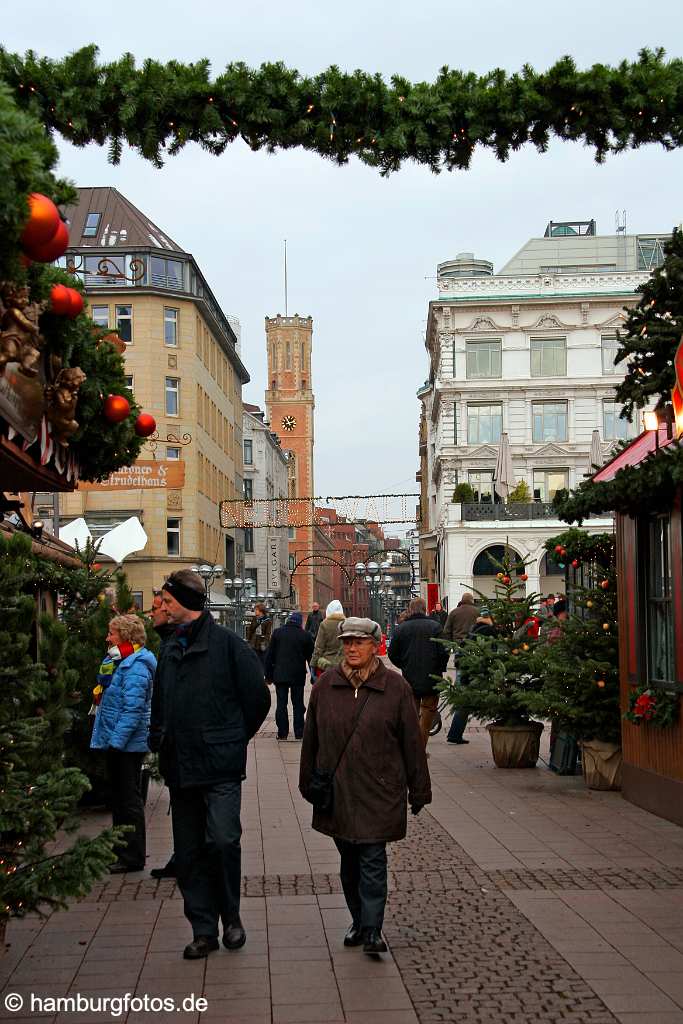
x: 38, y: 794
x: 652, y: 334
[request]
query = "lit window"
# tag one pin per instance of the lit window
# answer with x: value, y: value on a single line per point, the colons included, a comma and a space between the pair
x: 173, y: 454
x: 547, y: 482
x: 483, y: 359
x: 614, y: 428
x: 172, y: 396
x: 610, y: 347
x: 248, y: 451
x: 548, y: 357
x: 170, y: 327
x: 549, y: 421
x: 484, y: 424
x: 173, y: 536
x: 124, y: 323
x: 92, y: 222
x: 100, y: 315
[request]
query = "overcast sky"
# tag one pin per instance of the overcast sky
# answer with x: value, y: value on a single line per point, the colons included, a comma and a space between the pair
x: 362, y: 249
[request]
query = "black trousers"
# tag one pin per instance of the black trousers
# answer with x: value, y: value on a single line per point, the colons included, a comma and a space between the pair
x: 363, y: 874
x: 127, y: 808
x: 281, y: 711
x: 208, y: 855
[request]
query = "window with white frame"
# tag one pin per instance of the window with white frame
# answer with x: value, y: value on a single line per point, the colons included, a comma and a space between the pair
x: 172, y: 396
x: 614, y: 428
x: 610, y: 347
x: 484, y: 423
x: 170, y: 327
x: 548, y: 357
x: 91, y: 224
x: 483, y: 359
x: 481, y: 482
x: 173, y: 536
x: 100, y: 315
x: 549, y: 421
x: 129, y: 381
x: 547, y: 482
x: 248, y: 451
x: 173, y: 454
x: 124, y: 323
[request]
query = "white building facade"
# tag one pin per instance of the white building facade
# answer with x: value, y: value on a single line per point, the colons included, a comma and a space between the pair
x: 528, y: 352
x: 266, y: 549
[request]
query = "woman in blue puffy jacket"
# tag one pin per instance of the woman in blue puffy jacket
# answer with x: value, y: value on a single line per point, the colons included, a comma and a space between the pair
x: 123, y: 696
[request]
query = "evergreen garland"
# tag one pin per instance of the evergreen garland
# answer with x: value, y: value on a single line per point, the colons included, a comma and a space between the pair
x: 159, y: 108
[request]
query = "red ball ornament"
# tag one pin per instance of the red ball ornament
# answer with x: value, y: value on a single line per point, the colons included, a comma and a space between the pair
x: 605, y: 584
x: 116, y: 408
x: 50, y: 251
x: 524, y: 577
x: 145, y: 425
x: 506, y: 580
x: 43, y: 221
x: 576, y: 563
x: 558, y: 549
x: 75, y: 303
x: 60, y: 299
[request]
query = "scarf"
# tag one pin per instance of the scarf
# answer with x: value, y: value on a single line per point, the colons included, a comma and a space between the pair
x: 113, y: 656
x: 361, y: 675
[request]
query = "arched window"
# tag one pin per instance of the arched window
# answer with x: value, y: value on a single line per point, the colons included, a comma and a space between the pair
x: 288, y: 357
x: 483, y: 566
x: 549, y: 567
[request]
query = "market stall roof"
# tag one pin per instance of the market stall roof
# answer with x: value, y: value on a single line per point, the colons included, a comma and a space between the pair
x: 48, y: 547
x: 634, y: 454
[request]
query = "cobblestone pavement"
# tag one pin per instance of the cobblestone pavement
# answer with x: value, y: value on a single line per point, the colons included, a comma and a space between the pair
x: 519, y: 897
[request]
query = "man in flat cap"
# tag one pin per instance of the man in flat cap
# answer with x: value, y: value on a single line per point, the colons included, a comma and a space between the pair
x: 209, y: 699
x: 362, y: 726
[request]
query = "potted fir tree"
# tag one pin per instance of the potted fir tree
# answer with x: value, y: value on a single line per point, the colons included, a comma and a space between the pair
x: 578, y: 659
x: 496, y: 674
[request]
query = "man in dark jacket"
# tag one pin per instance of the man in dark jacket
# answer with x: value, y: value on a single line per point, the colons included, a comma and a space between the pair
x: 414, y: 650
x: 461, y: 619
x: 361, y: 725
x: 313, y: 620
x: 209, y: 699
x: 165, y: 630
x: 482, y: 627
x: 291, y: 647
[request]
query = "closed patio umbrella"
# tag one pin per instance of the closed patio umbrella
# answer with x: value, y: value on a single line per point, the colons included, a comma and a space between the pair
x: 503, y: 476
x: 595, y: 457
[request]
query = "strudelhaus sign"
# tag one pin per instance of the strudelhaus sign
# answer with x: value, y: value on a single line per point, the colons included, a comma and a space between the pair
x: 146, y: 476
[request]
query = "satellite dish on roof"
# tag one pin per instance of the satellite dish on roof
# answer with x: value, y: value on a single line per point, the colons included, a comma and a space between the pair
x: 123, y: 540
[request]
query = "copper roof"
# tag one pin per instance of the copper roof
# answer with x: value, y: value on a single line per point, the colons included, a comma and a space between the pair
x: 121, y: 225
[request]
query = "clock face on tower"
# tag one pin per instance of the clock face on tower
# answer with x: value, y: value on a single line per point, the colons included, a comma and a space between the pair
x: 288, y: 422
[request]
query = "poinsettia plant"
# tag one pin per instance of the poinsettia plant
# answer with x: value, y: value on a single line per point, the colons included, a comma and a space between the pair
x: 652, y: 706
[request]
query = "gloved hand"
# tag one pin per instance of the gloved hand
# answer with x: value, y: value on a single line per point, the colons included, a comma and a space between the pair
x: 416, y: 808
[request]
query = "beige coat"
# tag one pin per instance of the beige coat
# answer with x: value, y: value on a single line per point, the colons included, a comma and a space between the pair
x: 328, y: 650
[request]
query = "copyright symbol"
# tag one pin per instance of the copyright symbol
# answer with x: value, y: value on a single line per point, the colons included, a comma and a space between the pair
x: 13, y: 1001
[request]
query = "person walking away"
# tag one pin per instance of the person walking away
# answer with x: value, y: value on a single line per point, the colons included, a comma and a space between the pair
x: 313, y: 620
x: 482, y: 627
x: 362, y: 726
x: 123, y: 696
x: 259, y: 630
x: 461, y: 620
x: 439, y: 614
x: 328, y: 648
x: 291, y: 647
x: 209, y: 700
x: 165, y: 630
x: 415, y: 651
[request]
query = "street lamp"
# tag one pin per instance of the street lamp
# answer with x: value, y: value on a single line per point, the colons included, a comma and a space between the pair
x: 241, y: 589
x: 208, y: 574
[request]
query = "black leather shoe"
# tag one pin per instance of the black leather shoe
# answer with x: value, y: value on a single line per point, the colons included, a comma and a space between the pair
x: 354, y: 936
x: 457, y: 741
x: 234, y: 935
x: 373, y: 941
x: 168, y: 871
x: 200, y: 947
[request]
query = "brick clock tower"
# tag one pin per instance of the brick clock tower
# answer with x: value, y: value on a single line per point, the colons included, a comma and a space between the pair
x: 290, y: 405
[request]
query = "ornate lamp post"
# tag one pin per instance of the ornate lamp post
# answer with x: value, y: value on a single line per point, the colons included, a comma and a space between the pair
x: 241, y: 588
x: 208, y: 574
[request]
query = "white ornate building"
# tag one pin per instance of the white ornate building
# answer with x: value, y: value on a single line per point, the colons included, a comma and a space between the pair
x: 530, y: 352
x: 266, y: 558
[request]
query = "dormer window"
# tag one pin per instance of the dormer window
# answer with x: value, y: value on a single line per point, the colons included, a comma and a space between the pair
x: 92, y: 222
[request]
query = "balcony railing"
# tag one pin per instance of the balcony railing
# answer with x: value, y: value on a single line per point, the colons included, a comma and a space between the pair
x: 485, y: 511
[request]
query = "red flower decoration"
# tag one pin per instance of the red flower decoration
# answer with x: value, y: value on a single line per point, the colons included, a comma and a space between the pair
x: 645, y: 707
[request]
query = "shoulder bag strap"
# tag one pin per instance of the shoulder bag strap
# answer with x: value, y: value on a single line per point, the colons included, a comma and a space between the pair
x: 353, y: 729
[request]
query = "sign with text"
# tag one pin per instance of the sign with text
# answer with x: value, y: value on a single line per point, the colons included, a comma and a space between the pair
x: 273, y: 563
x: 157, y: 474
